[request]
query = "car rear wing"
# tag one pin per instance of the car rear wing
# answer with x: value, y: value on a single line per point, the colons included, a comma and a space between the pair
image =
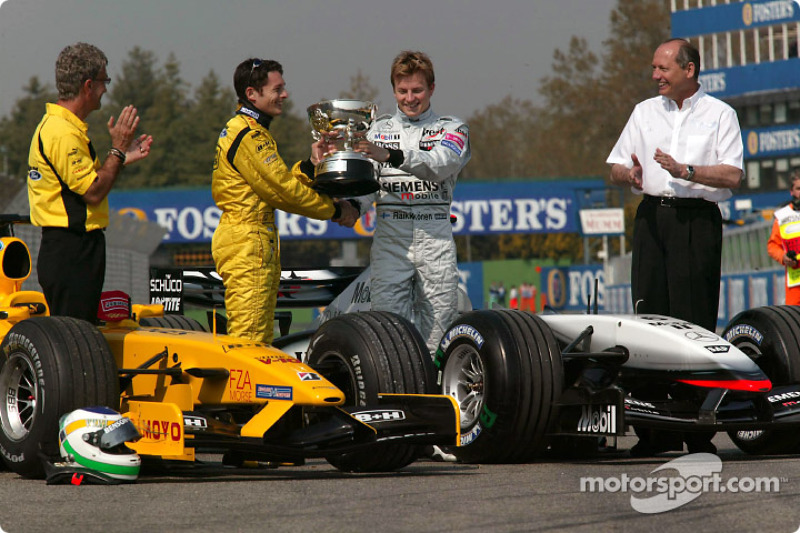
x: 202, y: 287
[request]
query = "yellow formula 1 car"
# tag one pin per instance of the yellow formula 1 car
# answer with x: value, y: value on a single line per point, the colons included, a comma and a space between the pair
x: 362, y: 400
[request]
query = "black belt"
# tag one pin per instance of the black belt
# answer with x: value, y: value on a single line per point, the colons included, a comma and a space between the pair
x: 671, y: 201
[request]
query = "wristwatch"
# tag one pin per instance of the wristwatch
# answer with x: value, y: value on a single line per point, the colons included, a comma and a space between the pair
x: 690, y: 170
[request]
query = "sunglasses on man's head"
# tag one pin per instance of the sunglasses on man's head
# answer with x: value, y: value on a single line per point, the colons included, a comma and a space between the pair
x: 256, y: 64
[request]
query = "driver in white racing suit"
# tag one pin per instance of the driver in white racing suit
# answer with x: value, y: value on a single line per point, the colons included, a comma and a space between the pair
x: 413, y: 256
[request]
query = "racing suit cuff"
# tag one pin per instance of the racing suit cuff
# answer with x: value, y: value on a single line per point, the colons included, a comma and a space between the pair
x: 307, y: 168
x: 396, y: 157
x: 337, y: 211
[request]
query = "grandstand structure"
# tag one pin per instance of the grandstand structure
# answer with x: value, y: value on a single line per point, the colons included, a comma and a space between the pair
x: 750, y: 59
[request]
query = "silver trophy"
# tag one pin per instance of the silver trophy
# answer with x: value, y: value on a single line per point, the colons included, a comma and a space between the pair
x: 344, y: 172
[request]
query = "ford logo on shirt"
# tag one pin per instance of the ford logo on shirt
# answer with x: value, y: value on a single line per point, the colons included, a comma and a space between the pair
x: 34, y: 175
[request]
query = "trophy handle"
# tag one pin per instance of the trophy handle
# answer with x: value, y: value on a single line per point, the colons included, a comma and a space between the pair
x: 349, y: 131
x: 319, y: 121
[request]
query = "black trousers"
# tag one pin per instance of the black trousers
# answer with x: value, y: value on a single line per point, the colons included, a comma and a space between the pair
x: 71, y: 269
x: 677, y: 255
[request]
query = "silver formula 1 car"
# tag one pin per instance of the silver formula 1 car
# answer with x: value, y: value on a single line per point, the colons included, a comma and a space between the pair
x: 523, y: 381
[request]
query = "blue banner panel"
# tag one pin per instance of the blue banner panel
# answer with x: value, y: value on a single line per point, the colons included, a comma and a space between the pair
x: 774, y: 141
x: 572, y: 288
x: 733, y: 16
x: 190, y: 215
x: 470, y: 278
x: 523, y: 207
x: 747, y: 79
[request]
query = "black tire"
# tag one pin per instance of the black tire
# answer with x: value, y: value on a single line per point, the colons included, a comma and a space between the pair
x: 172, y: 322
x: 770, y: 336
x: 49, y: 366
x: 365, y: 354
x: 504, y: 370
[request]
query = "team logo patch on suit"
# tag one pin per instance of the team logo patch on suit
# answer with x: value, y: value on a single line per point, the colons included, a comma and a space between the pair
x: 453, y: 146
x: 457, y: 139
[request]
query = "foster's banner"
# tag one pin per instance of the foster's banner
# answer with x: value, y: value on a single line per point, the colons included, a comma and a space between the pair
x: 190, y: 215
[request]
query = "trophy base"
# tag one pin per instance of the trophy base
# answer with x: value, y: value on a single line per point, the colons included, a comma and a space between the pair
x: 345, y: 174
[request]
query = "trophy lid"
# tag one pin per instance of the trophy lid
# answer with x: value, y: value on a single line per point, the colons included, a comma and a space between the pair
x: 330, y: 115
x: 344, y: 104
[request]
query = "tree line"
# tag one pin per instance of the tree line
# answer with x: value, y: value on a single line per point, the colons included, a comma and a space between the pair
x: 587, y: 99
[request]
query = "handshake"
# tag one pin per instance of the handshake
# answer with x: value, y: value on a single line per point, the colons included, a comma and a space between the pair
x: 348, y: 213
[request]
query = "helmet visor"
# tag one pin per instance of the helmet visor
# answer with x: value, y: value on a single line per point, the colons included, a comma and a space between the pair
x: 118, y: 433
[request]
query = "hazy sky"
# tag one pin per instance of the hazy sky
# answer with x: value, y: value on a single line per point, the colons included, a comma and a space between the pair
x: 482, y: 50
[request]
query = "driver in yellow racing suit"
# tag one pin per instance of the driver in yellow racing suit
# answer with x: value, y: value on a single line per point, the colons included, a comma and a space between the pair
x: 250, y: 181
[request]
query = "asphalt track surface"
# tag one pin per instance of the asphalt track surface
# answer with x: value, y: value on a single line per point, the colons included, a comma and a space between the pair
x: 426, y: 496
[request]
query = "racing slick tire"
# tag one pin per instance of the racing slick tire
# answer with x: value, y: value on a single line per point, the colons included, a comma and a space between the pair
x: 172, y: 322
x: 49, y: 366
x: 770, y: 336
x: 503, y: 368
x: 364, y: 354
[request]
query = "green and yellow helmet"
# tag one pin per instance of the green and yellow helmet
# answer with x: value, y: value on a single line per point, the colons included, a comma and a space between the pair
x: 94, y: 438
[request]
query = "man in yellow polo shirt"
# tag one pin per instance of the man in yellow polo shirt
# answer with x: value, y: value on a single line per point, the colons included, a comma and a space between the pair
x: 68, y: 186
